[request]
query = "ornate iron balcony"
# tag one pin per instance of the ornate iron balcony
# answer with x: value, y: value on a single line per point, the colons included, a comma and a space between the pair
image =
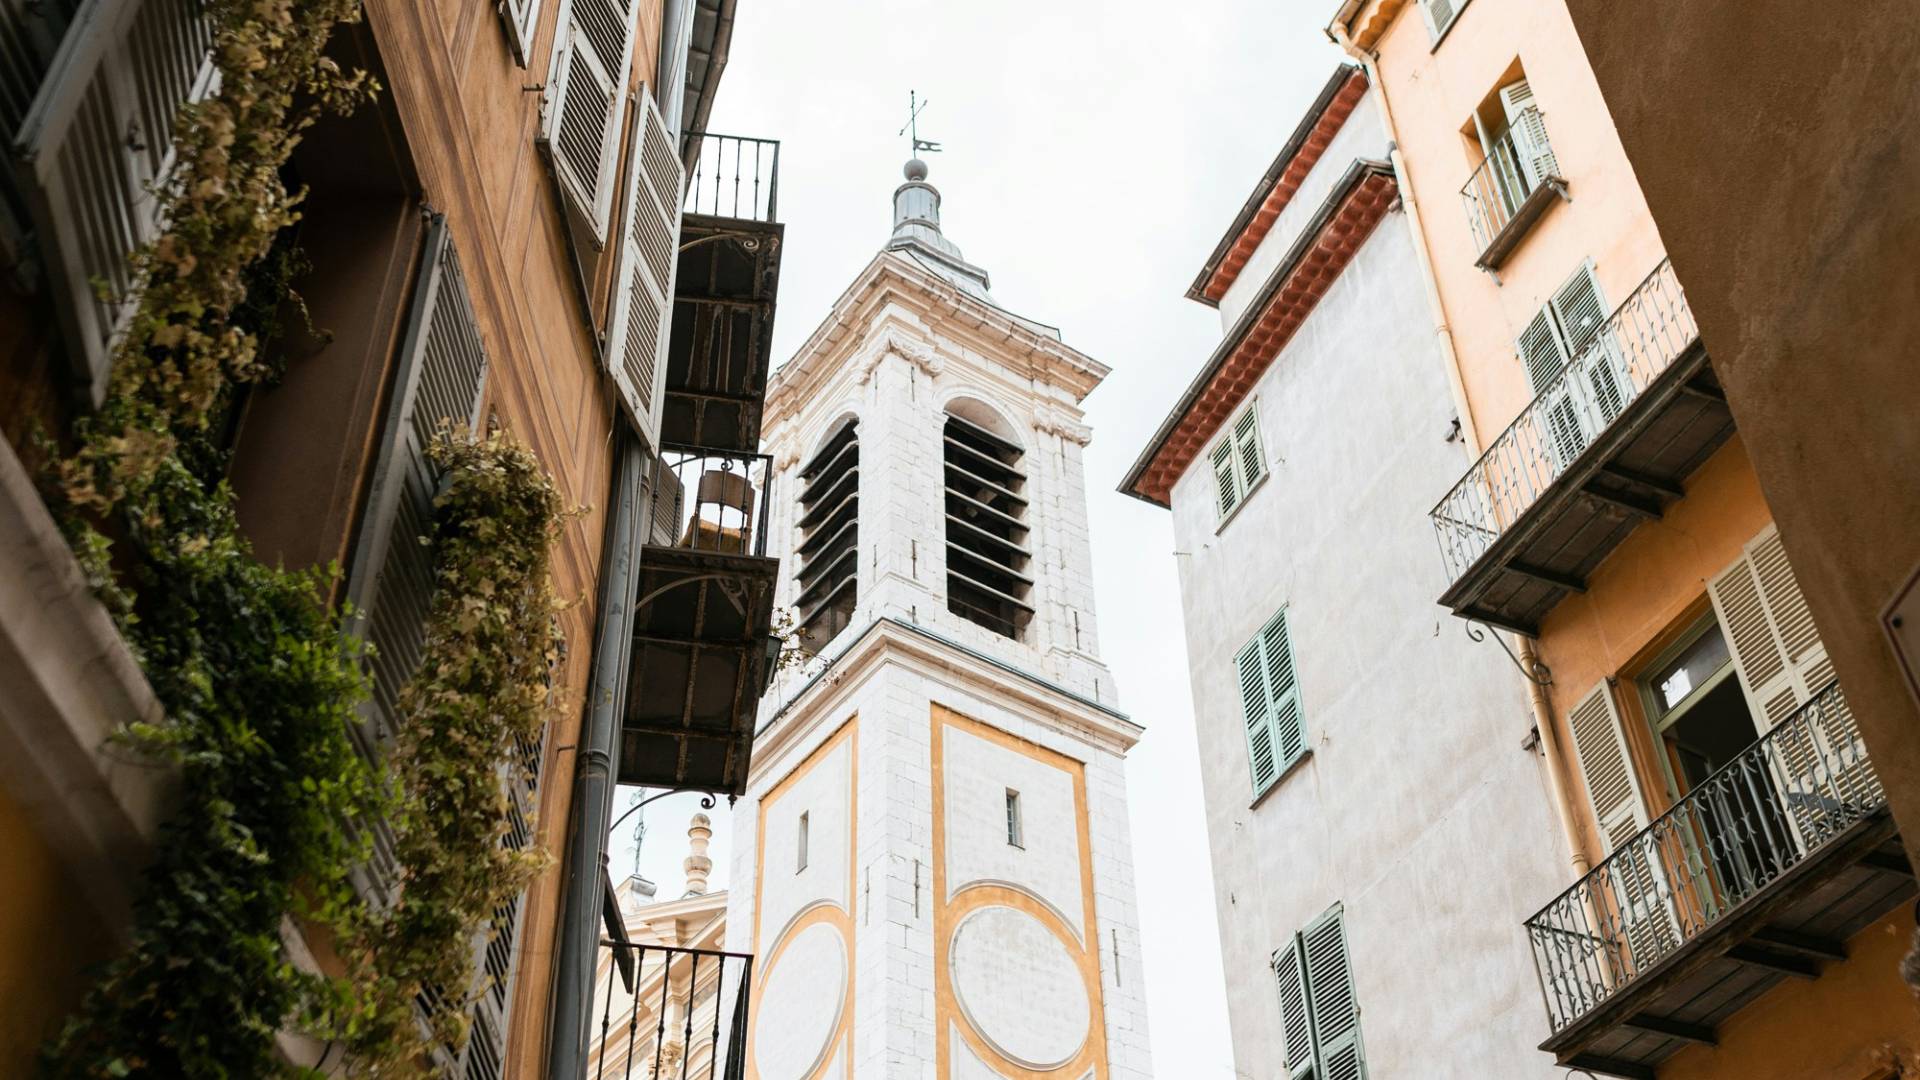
x: 712, y: 500
x: 1639, y: 341
x: 733, y: 176
x: 1735, y: 836
x: 1512, y: 188
x: 670, y: 1013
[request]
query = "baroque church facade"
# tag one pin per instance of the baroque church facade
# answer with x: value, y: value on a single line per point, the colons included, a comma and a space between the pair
x: 932, y: 862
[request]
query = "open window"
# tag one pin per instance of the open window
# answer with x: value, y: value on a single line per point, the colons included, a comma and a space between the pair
x: 1516, y: 175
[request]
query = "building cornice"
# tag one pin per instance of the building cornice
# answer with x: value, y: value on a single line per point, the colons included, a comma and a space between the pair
x: 1029, y: 348
x: 1355, y: 205
x: 887, y: 640
x: 1323, y: 120
x: 1367, y: 36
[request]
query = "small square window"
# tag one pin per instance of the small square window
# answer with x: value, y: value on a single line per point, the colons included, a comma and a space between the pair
x: 802, y: 864
x: 1016, y: 835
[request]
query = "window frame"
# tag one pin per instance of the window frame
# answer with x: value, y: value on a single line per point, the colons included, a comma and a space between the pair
x: 1016, y: 822
x: 1233, y: 444
x: 1294, y: 954
x: 1284, y: 763
x: 803, y: 833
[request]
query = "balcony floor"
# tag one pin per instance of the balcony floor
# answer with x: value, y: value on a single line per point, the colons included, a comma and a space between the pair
x: 1788, y: 930
x: 1628, y: 474
x: 720, y: 350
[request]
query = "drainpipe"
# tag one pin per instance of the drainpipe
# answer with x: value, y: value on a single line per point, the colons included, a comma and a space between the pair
x: 593, y: 784
x: 1469, y: 431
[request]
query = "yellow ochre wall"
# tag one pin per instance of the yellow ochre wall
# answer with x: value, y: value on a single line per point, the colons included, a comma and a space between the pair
x: 47, y: 940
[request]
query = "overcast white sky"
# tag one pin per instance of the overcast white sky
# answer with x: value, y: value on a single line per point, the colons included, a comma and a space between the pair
x: 1094, y: 153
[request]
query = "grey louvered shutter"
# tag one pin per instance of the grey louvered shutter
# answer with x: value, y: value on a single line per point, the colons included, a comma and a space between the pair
x: 97, y: 141
x: 586, y: 102
x: 1255, y: 707
x: 1289, y: 730
x: 1296, y: 1027
x: 1330, y: 997
x: 1226, y: 486
x: 637, y: 334
x: 1246, y: 441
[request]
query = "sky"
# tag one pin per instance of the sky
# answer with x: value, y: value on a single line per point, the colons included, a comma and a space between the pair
x: 1093, y: 154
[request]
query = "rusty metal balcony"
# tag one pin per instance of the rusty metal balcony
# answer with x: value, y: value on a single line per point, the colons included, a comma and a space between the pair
x: 728, y: 277
x: 1761, y: 872
x: 1604, y: 446
x: 1515, y: 184
x: 703, y: 649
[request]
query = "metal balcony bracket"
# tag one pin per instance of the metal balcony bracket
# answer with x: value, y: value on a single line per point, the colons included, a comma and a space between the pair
x: 1538, y: 673
x: 1698, y: 1034
x: 1627, y: 1070
x: 747, y: 241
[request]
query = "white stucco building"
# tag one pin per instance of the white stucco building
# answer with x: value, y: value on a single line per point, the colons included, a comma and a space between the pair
x: 932, y: 863
x: 1379, y: 823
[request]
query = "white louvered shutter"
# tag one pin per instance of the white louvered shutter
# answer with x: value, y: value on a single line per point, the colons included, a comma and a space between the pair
x: 522, y: 18
x: 1600, y: 744
x: 97, y: 141
x: 1439, y: 13
x: 1336, y: 1013
x: 1579, y: 310
x: 1226, y: 486
x: 1770, y: 629
x: 1296, y: 1027
x: 1289, y: 732
x: 440, y: 377
x: 586, y: 102
x: 1540, y: 349
x: 1255, y: 706
x: 638, y: 331
x: 1529, y: 133
x: 1581, y: 313
x: 1632, y: 900
x: 1246, y: 442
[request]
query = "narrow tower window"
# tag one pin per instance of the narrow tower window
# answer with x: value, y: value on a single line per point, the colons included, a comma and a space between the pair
x: 986, y: 529
x: 801, y: 863
x: 1015, y: 834
x: 829, y: 544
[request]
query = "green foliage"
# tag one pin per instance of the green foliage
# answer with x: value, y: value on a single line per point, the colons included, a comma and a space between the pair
x: 482, y: 690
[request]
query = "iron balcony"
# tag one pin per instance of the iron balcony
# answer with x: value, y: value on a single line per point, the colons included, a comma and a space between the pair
x: 673, y: 1014
x: 1511, y: 189
x: 1761, y: 872
x: 1604, y: 446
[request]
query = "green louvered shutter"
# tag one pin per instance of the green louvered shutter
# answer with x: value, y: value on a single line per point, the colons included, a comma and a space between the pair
x: 1336, y: 1015
x: 1255, y: 702
x: 1283, y: 690
x: 1246, y: 442
x: 1226, y: 487
x: 1295, y: 1025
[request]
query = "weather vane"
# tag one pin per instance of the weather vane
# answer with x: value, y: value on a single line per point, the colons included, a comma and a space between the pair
x: 914, y: 106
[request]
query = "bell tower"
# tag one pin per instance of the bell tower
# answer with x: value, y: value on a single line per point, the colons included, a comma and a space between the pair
x: 932, y: 863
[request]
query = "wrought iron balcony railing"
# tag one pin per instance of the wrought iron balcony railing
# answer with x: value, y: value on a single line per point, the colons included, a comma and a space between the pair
x: 716, y: 500
x: 1641, y: 339
x: 671, y: 1014
x: 1795, y: 789
x: 733, y: 176
x: 1520, y: 163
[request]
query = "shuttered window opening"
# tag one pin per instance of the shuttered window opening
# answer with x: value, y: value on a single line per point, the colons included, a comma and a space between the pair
x: 1319, y: 1014
x: 1270, y: 703
x: 638, y: 330
x: 1238, y: 461
x: 97, y: 141
x: 1634, y: 888
x: 986, y: 529
x: 1440, y: 15
x: 585, y: 105
x: 829, y: 538
x: 1572, y: 329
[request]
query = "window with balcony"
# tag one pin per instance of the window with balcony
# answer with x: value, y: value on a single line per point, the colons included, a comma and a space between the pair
x: 1570, y: 324
x: 1774, y: 849
x: 1238, y: 462
x: 1319, y: 1016
x: 987, y: 552
x: 1516, y: 175
x: 1270, y: 702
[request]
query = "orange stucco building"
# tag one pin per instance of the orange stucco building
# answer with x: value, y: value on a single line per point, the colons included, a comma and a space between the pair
x: 1739, y: 895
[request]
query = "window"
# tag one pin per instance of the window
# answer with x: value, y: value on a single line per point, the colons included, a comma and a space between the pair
x: 1319, y: 1017
x: 1569, y: 337
x: 987, y: 551
x: 1238, y: 463
x: 802, y: 844
x: 1440, y: 16
x: 1270, y: 698
x: 829, y: 537
x: 1015, y: 836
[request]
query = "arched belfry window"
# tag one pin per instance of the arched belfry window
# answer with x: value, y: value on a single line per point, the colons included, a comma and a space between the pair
x: 829, y: 537
x: 987, y: 553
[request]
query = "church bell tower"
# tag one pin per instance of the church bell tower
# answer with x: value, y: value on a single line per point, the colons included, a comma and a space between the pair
x: 931, y: 863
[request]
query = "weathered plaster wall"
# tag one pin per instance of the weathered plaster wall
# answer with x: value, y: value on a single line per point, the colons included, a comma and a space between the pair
x: 46, y: 941
x: 1418, y: 809
x: 1784, y: 190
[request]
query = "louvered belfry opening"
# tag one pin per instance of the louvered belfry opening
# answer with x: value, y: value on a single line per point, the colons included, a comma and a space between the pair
x: 830, y: 533
x: 987, y: 551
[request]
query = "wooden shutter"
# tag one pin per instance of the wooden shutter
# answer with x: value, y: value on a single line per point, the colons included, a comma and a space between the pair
x: 1289, y: 734
x: 1246, y: 441
x: 636, y: 353
x: 1633, y: 897
x: 1296, y: 1027
x: 1335, y: 1013
x: 97, y: 142
x: 1226, y: 486
x: 1540, y: 349
x: 522, y: 18
x: 1782, y: 662
x: 1256, y: 705
x: 1600, y: 744
x: 1529, y: 133
x: 586, y: 101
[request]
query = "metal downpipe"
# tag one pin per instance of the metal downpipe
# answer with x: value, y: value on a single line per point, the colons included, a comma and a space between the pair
x: 571, y: 1027
x: 1470, y: 435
